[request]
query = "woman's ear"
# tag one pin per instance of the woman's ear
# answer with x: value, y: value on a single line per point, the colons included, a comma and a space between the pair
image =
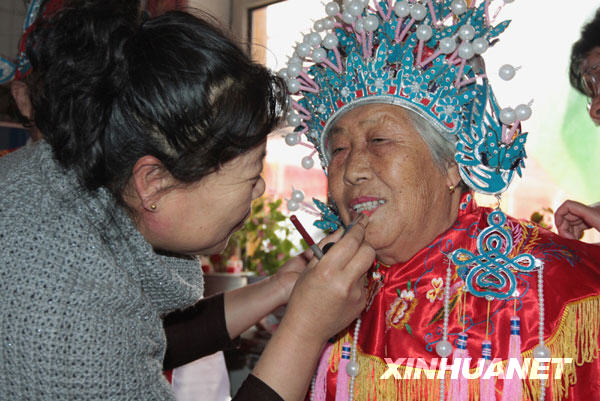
x: 452, y: 175
x: 149, y: 181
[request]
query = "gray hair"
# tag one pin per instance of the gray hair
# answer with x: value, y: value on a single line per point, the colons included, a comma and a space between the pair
x: 441, y: 145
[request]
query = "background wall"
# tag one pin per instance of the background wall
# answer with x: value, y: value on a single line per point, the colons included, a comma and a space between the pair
x: 12, y: 15
x: 221, y: 9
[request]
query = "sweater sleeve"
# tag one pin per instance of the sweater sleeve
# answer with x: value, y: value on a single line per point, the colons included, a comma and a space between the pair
x: 196, y: 332
x: 254, y: 389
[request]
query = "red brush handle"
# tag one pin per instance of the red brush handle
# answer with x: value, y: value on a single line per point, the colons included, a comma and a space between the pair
x: 301, y: 230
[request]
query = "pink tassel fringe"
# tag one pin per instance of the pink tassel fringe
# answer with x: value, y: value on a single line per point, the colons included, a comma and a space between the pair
x: 341, y: 391
x: 320, y: 389
x: 513, y: 390
x: 487, y: 387
x: 459, y: 388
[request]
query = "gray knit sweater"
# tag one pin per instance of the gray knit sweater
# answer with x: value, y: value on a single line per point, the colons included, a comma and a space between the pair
x: 82, y: 292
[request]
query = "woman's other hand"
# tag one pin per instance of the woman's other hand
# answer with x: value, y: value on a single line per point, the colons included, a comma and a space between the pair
x: 326, y: 298
x: 572, y: 218
x: 330, y: 294
x: 288, y: 274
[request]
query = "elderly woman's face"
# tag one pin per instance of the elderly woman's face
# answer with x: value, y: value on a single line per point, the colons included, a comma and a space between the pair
x: 381, y: 167
x: 590, y: 70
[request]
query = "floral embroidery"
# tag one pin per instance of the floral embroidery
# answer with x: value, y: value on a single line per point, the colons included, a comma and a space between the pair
x: 436, y: 292
x: 407, y: 295
x: 400, y: 310
x: 396, y: 312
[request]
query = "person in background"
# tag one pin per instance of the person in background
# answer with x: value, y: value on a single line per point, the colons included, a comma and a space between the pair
x: 572, y: 217
x: 153, y: 142
x: 21, y: 108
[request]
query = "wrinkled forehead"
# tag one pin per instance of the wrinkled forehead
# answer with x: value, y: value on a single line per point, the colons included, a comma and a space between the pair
x: 403, y: 107
x: 368, y: 116
x: 333, y: 126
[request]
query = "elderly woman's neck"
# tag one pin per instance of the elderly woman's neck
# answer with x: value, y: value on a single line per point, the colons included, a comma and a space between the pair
x: 407, y: 246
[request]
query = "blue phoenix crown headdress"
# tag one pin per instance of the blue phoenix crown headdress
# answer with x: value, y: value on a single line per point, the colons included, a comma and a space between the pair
x: 423, y: 56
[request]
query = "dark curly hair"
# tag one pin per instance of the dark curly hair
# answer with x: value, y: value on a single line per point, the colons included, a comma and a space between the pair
x: 589, y: 39
x: 110, y: 89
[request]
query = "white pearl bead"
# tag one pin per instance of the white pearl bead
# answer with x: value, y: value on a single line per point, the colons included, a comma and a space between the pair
x: 359, y: 25
x: 319, y: 25
x: 307, y: 162
x: 319, y: 54
x: 303, y: 50
x: 443, y: 348
x: 507, y: 72
x: 332, y: 8
x: 418, y: 12
x: 480, y: 45
x: 371, y: 23
x: 294, y: 70
x: 466, y: 32
x: 364, y: 3
x: 292, y: 206
x: 292, y: 139
x: 313, y: 39
x: 283, y: 73
x: 424, y: 32
x: 458, y: 7
x: 293, y: 85
x: 295, y: 60
x: 523, y: 112
x: 541, y: 351
x: 294, y: 120
x: 466, y: 51
x: 507, y: 116
x: 355, y: 8
x: 297, y: 195
x: 402, y: 9
x: 352, y: 369
x: 447, y: 45
x: 329, y: 23
x: 330, y: 41
x: 348, y: 18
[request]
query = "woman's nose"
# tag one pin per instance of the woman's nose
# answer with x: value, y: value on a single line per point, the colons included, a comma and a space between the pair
x: 358, y: 166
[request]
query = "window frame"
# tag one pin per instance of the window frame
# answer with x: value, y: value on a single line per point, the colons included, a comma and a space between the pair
x: 241, y: 17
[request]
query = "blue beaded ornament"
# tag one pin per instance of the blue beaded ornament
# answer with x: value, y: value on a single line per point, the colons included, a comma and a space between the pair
x: 490, y: 271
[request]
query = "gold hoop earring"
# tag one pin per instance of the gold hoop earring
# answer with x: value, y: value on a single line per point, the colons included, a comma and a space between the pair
x: 451, y: 188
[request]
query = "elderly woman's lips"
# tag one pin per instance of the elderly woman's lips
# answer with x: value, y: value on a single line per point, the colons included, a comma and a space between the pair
x: 366, y: 205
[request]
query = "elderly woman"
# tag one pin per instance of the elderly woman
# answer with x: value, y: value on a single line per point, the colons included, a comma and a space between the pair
x: 154, y: 139
x: 407, y: 126
x: 572, y: 217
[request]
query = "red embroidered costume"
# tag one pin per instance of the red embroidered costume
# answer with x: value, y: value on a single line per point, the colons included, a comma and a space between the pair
x: 405, y: 312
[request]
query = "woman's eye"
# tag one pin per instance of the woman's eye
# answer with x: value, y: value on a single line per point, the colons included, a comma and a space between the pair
x: 378, y: 140
x: 337, y: 150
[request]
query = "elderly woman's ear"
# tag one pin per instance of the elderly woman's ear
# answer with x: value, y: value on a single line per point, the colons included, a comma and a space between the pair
x: 452, y: 177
